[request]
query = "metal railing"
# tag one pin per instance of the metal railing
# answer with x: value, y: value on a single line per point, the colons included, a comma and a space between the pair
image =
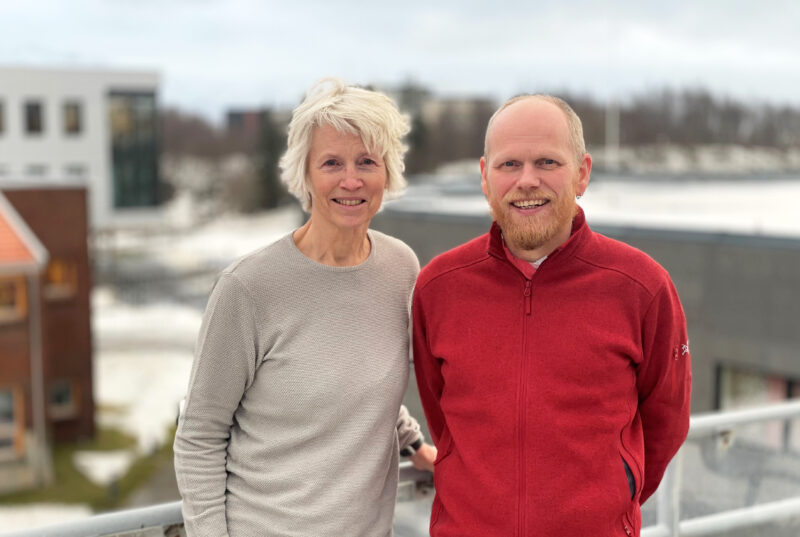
x: 166, y: 519
x: 720, y: 425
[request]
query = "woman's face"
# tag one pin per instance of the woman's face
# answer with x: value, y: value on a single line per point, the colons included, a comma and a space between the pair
x: 346, y: 181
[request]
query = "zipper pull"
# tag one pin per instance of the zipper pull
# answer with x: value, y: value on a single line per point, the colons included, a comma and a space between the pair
x: 527, y: 295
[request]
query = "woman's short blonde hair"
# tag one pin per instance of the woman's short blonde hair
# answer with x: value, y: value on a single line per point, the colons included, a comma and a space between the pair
x: 369, y: 114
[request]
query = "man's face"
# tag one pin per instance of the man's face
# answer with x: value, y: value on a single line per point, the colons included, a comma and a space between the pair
x: 530, y: 176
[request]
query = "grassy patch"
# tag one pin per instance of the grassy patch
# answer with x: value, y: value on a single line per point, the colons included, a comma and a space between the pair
x: 71, y: 486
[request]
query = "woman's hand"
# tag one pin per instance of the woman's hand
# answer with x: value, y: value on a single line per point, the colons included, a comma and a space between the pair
x: 424, y: 457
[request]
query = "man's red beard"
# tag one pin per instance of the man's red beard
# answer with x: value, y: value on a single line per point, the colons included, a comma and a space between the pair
x: 531, y: 232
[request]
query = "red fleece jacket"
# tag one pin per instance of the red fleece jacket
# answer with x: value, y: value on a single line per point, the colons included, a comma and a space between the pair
x: 538, y: 392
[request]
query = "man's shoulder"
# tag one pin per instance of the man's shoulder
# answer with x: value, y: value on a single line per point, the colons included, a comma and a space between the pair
x: 615, y: 255
x: 458, y: 258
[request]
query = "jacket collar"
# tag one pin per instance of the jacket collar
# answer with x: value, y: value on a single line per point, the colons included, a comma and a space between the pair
x: 579, y: 233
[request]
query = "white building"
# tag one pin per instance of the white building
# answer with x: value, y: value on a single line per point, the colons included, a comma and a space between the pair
x: 97, y: 128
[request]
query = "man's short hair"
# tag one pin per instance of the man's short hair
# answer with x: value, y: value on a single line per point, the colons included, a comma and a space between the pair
x: 574, y: 124
x: 349, y: 109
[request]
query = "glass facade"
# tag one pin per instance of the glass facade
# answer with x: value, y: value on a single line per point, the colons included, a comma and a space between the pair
x: 134, y: 149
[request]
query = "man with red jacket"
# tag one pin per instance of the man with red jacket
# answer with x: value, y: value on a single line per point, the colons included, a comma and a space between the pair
x: 552, y: 362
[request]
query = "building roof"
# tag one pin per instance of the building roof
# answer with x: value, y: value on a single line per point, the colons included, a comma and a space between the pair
x: 20, y: 249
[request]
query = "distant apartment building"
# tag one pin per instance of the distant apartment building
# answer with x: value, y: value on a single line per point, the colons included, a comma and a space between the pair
x: 45, y: 331
x: 245, y: 124
x: 96, y: 128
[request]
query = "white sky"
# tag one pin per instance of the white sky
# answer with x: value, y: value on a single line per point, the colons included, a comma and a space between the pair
x: 213, y: 54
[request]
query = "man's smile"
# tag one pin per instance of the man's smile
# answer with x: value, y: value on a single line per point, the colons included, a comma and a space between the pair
x: 529, y: 204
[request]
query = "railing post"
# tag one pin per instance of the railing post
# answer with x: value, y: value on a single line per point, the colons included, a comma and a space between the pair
x: 669, y: 497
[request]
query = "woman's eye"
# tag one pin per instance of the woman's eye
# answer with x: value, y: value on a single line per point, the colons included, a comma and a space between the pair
x: 329, y: 162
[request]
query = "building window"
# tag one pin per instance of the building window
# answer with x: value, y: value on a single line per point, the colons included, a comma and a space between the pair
x: 72, y: 117
x: 36, y: 171
x: 134, y: 149
x: 11, y: 424
x: 13, y: 299
x: 61, y: 279
x: 34, y: 117
x: 63, y: 402
x: 75, y: 172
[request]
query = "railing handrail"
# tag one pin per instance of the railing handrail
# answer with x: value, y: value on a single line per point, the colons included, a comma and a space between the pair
x: 165, y: 514
x: 714, y: 422
x: 701, y: 425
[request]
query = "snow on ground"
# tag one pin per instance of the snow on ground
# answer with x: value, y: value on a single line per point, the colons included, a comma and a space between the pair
x: 216, y: 242
x: 103, y: 467
x: 139, y: 391
x: 116, y: 325
x: 31, y: 516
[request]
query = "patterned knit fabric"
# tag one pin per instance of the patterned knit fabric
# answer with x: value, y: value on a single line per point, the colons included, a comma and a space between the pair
x: 291, y: 423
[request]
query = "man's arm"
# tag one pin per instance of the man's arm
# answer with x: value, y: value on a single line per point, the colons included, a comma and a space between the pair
x: 428, y: 371
x: 664, y: 385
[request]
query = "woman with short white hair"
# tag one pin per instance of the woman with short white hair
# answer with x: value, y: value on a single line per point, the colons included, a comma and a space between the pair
x: 293, y: 423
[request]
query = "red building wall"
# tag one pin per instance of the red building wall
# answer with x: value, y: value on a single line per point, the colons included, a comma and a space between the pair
x: 58, y: 217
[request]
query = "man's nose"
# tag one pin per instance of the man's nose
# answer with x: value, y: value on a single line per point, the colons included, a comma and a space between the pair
x: 529, y: 177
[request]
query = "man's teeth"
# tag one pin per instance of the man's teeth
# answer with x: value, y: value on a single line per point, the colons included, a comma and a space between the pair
x: 527, y: 204
x: 349, y: 202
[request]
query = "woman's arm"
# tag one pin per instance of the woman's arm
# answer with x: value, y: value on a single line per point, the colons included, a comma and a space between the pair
x: 412, y: 441
x: 224, y: 366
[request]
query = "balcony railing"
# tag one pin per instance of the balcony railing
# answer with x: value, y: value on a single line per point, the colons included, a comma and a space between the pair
x: 718, y: 431
x: 721, y: 428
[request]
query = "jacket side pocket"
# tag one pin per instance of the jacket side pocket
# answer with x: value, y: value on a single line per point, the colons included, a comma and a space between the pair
x: 629, y: 476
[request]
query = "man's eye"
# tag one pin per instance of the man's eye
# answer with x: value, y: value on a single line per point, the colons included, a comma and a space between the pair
x: 509, y: 164
x: 548, y: 163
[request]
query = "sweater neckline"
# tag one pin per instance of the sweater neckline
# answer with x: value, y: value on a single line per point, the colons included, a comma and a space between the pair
x: 307, y: 261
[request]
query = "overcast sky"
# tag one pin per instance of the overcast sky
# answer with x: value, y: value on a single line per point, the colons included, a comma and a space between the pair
x: 215, y: 54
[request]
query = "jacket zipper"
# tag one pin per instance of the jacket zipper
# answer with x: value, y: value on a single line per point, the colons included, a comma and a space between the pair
x: 527, y: 295
x: 523, y: 396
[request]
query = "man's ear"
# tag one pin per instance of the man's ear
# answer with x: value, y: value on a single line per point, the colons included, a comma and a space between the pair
x: 484, y: 180
x: 584, y: 173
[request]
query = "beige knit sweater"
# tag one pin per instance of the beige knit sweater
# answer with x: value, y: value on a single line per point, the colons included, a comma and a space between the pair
x: 292, y: 423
